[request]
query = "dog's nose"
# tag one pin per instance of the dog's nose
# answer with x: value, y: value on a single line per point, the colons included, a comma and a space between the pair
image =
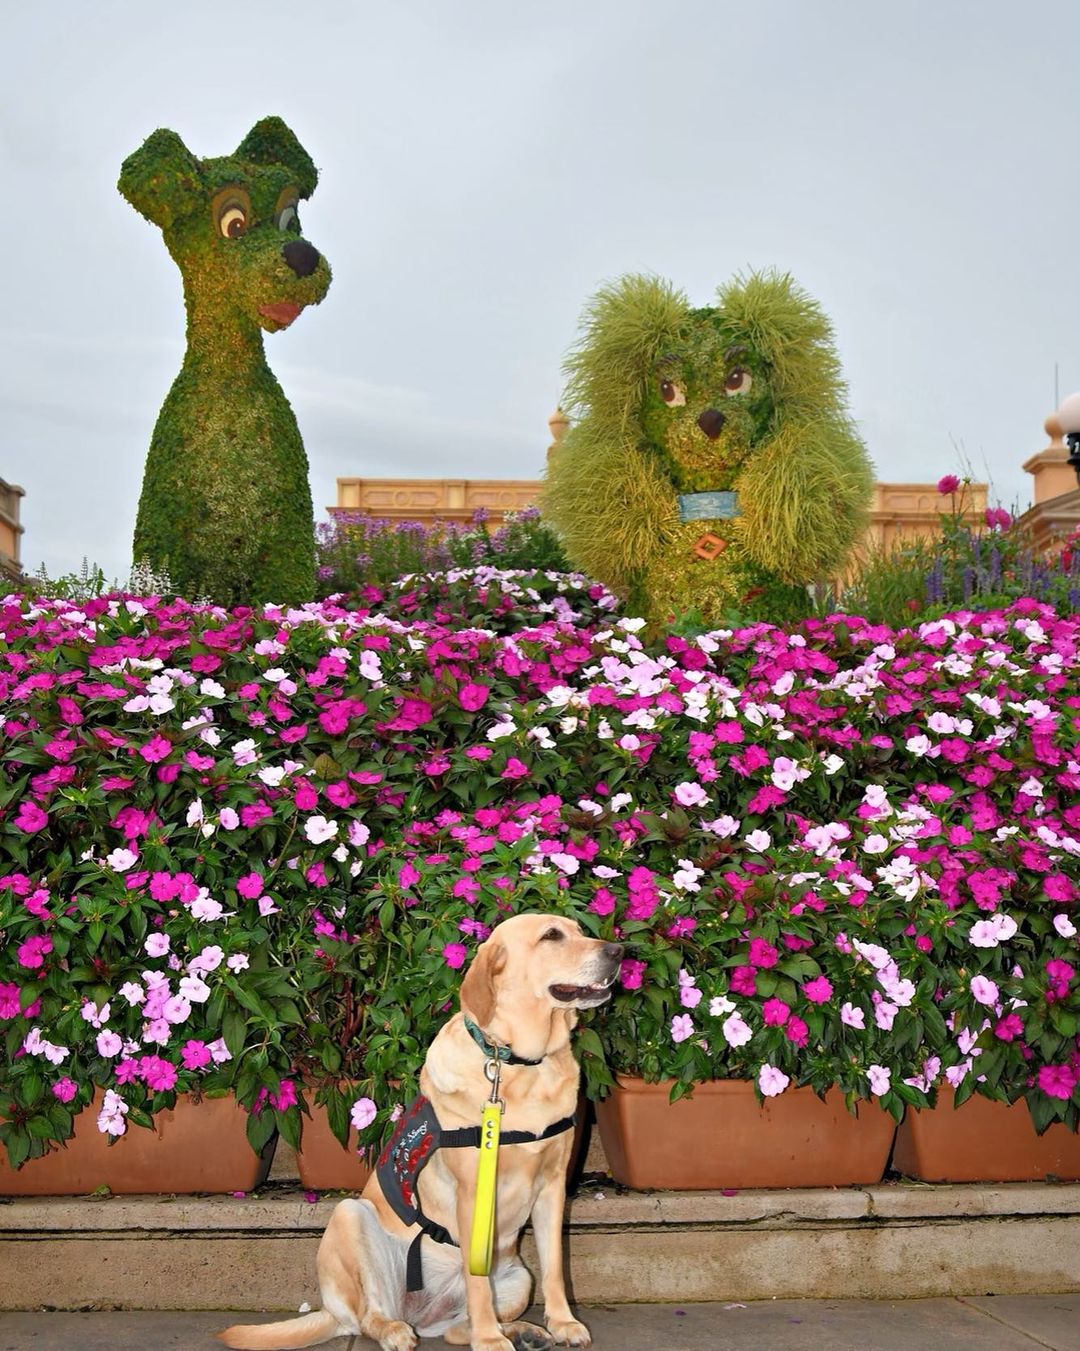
x: 301, y: 257
x: 613, y: 951
x: 711, y: 422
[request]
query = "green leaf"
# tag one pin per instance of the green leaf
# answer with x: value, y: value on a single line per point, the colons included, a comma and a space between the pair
x: 234, y: 1031
x: 260, y: 1127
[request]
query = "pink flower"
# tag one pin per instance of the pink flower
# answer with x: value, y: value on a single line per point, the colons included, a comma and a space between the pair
x: 65, y: 1089
x: 603, y: 903
x: 948, y: 484
x: 9, y: 1000
x: 250, y: 886
x: 797, y: 1031
x: 195, y: 1054
x: 158, y: 1075
x: 879, y: 1076
x: 762, y: 954
x: 690, y: 795
x: 851, y: 1016
x: 1009, y: 1028
x: 984, y: 990
x: 33, y: 951
x: 473, y: 697
x: 775, y: 1012
x: 157, y: 748
x: 819, y: 990
x: 682, y: 1026
x: 30, y: 817
x: 772, y: 1081
x: 631, y: 973
x: 454, y: 955
x: 1057, y: 1081
x: 515, y: 769
x: 362, y: 1113
x: 109, y: 1044
x: 743, y: 980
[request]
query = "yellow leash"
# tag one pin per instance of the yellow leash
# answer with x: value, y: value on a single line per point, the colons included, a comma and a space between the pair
x: 482, y: 1240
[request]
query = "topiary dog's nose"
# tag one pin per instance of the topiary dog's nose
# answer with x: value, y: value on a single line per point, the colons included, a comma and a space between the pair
x: 711, y: 422
x: 301, y: 257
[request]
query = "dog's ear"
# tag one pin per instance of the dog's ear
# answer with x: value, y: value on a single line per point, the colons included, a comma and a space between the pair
x: 162, y: 179
x: 271, y: 142
x: 478, y: 987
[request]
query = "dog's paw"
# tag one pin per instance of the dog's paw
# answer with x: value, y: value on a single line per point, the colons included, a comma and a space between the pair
x: 570, y: 1333
x: 528, y: 1337
x: 396, y: 1336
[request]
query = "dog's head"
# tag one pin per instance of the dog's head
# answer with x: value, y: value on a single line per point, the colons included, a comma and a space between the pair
x: 546, y: 959
x: 232, y: 224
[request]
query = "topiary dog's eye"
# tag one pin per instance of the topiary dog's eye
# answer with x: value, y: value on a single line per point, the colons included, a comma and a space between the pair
x: 738, y: 382
x: 672, y: 394
x: 288, y: 219
x: 233, y: 221
x: 552, y: 936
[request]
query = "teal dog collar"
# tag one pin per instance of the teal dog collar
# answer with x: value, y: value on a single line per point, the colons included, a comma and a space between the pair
x: 719, y: 506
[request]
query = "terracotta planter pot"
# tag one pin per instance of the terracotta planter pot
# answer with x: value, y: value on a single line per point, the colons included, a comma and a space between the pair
x: 322, y: 1163
x: 722, y: 1137
x: 983, y: 1141
x: 194, y: 1148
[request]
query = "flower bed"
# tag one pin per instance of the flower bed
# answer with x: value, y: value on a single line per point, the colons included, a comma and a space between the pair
x: 252, y: 851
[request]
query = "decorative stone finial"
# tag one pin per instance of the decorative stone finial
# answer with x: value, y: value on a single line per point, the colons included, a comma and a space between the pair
x: 1054, y: 431
x: 558, y: 423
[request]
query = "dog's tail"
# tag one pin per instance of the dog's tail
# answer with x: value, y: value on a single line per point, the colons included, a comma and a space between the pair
x: 309, y: 1330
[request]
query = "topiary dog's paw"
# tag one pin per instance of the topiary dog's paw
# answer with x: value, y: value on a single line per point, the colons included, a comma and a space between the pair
x: 528, y: 1337
x: 570, y: 1333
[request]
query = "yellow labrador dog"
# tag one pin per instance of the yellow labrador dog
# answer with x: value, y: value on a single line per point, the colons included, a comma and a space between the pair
x: 391, y: 1265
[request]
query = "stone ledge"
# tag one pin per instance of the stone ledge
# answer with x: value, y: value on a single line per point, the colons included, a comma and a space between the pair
x: 594, y: 1207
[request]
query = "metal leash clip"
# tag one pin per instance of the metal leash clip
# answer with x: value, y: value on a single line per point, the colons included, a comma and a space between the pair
x: 493, y: 1072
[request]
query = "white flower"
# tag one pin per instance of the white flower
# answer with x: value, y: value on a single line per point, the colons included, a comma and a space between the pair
x: 832, y: 763
x: 275, y: 674
x: 721, y: 1004
x: 244, y: 752
x: 566, y: 863
x: 359, y: 834
x: 736, y: 1031
x: 228, y: 818
x: 689, y: 794
x: 1064, y: 925
x: 686, y: 878
x: 195, y: 812
x: 758, y: 840
x: 876, y: 844
x: 211, y: 689
x: 723, y: 826
x: 161, y: 703
x: 133, y: 992
x: 318, y: 829
x: 194, y: 989
x: 272, y: 775
x: 505, y: 727
x: 238, y: 962
x: 139, y: 704
x: 205, y: 907
x: 918, y: 745
x: 120, y: 860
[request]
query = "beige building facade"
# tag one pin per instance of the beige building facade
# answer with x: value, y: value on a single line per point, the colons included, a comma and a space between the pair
x: 11, y: 530
x: 899, y: 511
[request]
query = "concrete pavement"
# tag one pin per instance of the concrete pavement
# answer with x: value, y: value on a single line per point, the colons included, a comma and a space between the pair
x: 1001, y: 1323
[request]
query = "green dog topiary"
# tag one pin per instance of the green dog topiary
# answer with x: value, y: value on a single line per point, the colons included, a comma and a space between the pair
x: 712, y: 467
x: 226, y: 504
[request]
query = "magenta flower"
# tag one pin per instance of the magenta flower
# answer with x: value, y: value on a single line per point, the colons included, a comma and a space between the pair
x: 1057, y: 1081
x: 631, y: 973
x: 157, y: 748
x: 65, y: 1089
x: 33, y: 951
x: 948, y: 484
x: 473, y: 697
x: 775, y: 1012
x: 250, y: 886
x: 195, y: 1054
x: 515, y: 769
x: 30, y: 817
x: 819, y: 990
x: 762, y: 954
x: 454, y: 955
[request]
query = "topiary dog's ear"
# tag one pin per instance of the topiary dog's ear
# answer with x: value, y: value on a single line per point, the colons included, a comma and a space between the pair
x: 271, y: 142
x: 162, y: 179
x: 627, y: 326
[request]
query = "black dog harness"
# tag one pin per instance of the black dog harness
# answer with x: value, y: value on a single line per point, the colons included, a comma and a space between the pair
x: 416, y: 1139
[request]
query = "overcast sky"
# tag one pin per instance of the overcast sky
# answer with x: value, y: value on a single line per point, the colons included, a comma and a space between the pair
x: 485, y: 165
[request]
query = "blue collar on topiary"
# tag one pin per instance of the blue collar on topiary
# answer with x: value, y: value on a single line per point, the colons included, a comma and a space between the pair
x: 503, y: 1053
x: 718, y: 506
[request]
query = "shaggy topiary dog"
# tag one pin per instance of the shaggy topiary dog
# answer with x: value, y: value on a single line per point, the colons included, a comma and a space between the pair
x: 712, y: 466
x: 226, y: 505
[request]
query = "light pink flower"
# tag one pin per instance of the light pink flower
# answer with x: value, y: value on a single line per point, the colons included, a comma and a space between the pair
x: 772, y: 1081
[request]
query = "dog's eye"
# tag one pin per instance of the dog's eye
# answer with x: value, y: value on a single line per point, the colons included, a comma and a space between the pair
x: 288, y: 219
x: 233, y: 222
x: 552, y: 936
x: 739, y: 381
x: 672, y: 394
